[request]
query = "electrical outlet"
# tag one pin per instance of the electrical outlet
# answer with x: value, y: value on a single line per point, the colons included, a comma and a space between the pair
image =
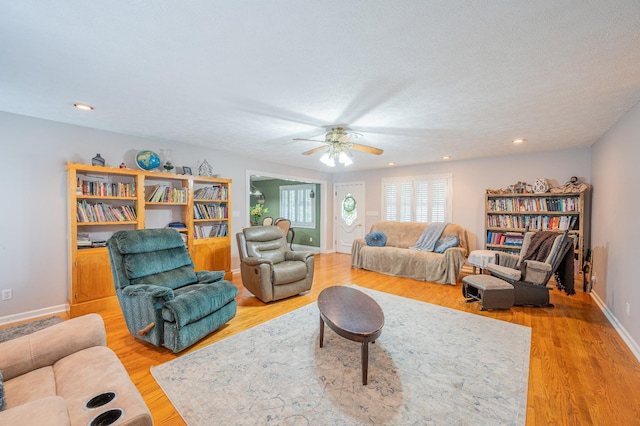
x: 7, y: 294
x: 310, y: 239
x: 628, y: 309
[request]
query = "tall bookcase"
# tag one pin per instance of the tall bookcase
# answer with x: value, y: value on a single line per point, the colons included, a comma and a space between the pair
x: 508, y: 215
x: 103, y: 200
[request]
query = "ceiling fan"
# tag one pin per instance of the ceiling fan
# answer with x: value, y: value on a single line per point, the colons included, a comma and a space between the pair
x: 338, y: 143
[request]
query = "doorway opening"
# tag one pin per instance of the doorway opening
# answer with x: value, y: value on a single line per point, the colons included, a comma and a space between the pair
x: 266, y: 189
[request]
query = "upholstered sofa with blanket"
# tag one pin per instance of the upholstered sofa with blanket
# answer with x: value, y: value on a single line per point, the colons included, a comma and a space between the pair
x: 396, y: 257
x: 49, y: 378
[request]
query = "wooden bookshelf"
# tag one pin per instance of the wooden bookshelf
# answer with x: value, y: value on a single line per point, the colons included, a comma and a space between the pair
x: 509, y: 215
x: 103, y: 200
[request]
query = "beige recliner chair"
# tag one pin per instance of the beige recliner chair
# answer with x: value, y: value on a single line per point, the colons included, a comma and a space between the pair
x: 269, y: 269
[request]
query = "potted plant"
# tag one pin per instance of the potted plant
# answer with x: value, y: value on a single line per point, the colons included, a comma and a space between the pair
x: 256, y: 213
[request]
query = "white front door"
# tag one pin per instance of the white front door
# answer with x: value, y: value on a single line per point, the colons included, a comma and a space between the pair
x: 348, y: 214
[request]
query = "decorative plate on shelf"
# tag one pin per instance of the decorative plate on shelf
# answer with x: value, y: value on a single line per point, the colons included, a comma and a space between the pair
x: 147, y: 160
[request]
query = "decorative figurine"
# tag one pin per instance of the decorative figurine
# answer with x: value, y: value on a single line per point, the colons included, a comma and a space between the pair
x: 168, y: 167
x: 540, y: 186
x: 205, y: 169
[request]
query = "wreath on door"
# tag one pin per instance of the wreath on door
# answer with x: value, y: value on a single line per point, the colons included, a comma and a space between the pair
x: 349, y: 209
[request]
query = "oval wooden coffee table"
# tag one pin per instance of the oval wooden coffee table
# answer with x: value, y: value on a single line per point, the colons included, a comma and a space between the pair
x: 352, y: 315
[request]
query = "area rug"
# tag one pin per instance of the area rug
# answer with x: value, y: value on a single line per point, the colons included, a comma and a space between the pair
x: 19, y: 330
x: 431, y: 365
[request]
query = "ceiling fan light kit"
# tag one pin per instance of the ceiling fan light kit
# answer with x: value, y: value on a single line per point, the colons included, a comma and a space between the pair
x: 327, y: 160
x: 340, y: 134
x: 336, y: 152
x: 339, y: 144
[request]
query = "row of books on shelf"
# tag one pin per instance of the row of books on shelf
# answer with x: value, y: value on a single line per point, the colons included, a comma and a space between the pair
x: 177, y: 225
x: 217, y: 230
x: 532, y: 222
x: 167, y: 194
x: 101, y: 212
x: 213, y: 192
x: 103, y: 188
x: 505, y: 238
x: 568, y: 204
x: 210, y: 211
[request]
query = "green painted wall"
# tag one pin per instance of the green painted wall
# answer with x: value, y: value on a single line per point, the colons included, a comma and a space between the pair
x: 271, y: 191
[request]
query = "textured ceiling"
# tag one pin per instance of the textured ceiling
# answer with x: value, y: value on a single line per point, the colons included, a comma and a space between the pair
x: 420, y: 79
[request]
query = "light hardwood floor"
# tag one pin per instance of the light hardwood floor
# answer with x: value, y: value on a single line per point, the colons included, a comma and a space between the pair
x: 581, y: 371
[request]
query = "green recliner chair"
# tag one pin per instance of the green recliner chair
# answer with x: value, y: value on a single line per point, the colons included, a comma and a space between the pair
x: 164, y: 301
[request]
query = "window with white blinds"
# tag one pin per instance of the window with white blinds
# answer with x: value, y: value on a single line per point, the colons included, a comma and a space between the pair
x: 417, y: 198
x: 297, y: 205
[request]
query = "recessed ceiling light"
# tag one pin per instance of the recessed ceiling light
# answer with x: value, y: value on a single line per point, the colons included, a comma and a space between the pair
x: 83, y: 107
x: 446, y: 157
x: 391, y: 163
x: 518, y: 140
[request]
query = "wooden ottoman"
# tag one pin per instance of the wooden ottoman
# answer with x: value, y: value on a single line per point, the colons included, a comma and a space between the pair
x: 492, y: 292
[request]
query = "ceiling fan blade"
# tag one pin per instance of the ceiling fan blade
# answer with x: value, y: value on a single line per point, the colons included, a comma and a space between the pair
x: 314, y: 150
x: 367, y: 149
x: 308, y: 140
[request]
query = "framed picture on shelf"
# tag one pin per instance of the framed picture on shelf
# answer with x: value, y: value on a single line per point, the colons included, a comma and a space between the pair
x: 186, y: 170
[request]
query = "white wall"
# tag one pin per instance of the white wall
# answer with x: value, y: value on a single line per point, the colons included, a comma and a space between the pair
x: 471, y: 179
x: 33, y: 217
x: 615, y: 213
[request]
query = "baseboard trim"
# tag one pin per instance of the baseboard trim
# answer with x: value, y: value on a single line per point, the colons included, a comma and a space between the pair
x: 632, y: 344
x: 299, y: 247
x: 33, y: 314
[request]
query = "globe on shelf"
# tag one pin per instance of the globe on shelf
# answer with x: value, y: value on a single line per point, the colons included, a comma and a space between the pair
x: 147, y: 160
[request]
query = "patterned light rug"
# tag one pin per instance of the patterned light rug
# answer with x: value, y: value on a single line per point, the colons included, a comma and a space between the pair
x: 19, y: 330
x: 431, y: 365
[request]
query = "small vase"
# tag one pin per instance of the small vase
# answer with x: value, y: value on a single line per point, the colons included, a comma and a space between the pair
x: 97, y: 160
x: 169, y: 168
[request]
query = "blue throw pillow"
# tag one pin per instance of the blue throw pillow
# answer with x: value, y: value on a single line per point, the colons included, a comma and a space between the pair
x: 376, y: 239
x: 445, y: 242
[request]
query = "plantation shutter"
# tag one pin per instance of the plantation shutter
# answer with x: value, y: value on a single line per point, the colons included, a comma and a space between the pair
x: 417, y: 199
x: 406, y: 202
x: 391, y: 202
x: 422, y: 201
x: 297, y: 205
x: 438, y: 200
